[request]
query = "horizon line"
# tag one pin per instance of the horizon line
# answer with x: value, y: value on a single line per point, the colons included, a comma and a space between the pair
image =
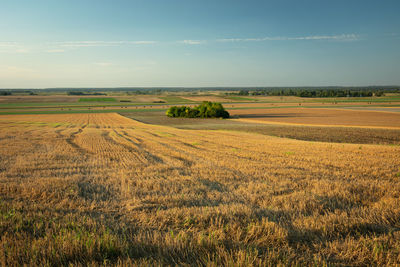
x: 200, y: 87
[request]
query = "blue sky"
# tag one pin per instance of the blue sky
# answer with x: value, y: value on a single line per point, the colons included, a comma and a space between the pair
x: 99, y: 43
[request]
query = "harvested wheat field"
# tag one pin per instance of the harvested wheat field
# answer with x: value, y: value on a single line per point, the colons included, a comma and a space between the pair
x: 103, y: 189
x: 322, y: 116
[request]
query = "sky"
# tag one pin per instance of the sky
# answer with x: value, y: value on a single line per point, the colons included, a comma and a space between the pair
x: 198, y: 43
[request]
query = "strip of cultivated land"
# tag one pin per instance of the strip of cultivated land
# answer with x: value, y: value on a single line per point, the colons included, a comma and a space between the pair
x: 323, y: 133
x: 63, y: 104
x: 325, y: 117
x: 104, y: 189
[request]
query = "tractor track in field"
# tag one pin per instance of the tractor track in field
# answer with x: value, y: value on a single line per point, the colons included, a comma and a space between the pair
x: 70, y: 140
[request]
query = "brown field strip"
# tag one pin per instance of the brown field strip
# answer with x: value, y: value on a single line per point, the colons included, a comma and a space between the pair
x: 321, y: 117
x: 212, y: 98
x: 104, y: 189
x: 39, y: 99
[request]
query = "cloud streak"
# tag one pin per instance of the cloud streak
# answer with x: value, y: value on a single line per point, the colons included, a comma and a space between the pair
x: 192, y: 42
x: 65, y: 46
x: 13, y: 48
x: 341, y: 37
x: 8, y: 44
x: 102, y: 43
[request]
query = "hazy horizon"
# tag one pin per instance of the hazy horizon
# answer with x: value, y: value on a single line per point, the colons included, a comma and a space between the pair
x: 98, y: 44
x: 198, y: 87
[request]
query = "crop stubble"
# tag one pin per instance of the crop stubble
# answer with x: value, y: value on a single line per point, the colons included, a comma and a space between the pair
x: 101, y: 188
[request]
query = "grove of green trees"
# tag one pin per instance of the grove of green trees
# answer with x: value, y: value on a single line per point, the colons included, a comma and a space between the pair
x: 204, y: 110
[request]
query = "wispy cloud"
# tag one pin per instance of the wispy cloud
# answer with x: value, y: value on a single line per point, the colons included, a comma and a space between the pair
x: 192, y: 42
x: 341, y: 37
x: 102, y: 43
x: 142, y: 42
x: 61, y: 47
x: 64, y: 46
x: 13, y: 47
x: 21, y: 51
x: 87, y: 43
x: 8, y: 44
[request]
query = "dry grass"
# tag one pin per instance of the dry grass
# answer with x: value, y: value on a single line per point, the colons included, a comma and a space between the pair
x: 320, y: 116
x: 103, y: 189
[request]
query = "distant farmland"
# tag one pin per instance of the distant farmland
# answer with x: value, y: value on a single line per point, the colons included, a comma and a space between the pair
x: 104, y: 189
x: 322, y: 116
x: 97, y: 99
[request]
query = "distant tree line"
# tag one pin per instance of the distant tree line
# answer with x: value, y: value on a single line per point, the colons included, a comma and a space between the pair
x: 204, y: 110
x: 269, y: 91
x: 313, y: 93
x: 18, y: 92
x: 84, y: 93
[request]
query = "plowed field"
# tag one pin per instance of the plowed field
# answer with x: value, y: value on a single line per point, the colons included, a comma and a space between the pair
x: 322, y: 116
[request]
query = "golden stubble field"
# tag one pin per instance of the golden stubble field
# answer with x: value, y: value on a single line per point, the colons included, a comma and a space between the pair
x: 103, y: 189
